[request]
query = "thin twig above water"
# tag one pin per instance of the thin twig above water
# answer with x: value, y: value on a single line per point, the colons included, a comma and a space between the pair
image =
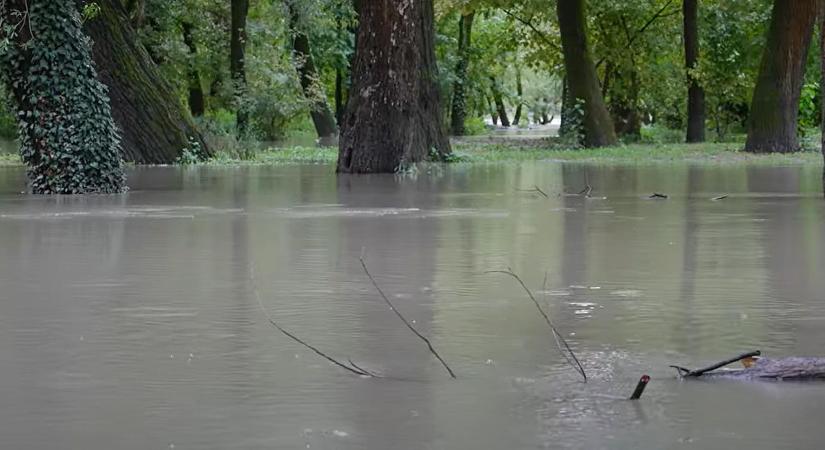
x: 350, y: 368
x: 561, y: 343
x: 406, y: 322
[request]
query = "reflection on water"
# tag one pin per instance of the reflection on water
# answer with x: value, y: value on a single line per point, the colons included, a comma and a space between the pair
x: 131, y: 319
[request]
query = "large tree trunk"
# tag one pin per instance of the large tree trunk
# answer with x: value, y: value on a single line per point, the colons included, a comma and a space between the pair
x: 581, y: 75
x: 68, y: 139
x: 772, y: 126
x: 501, y: 110
x: 154, y: 125
x: 197, y: 105
x: 696, y: 94
x: 237, y: 64
x: 394, y: 116
x: 319, y: 110
x: 459, y: 106
x: 624, y: 101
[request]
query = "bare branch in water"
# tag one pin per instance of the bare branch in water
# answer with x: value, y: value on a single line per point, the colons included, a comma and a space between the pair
x: 721, y: 197
x: 397, y: 313
x: 352, y: 368
x: 699, y: 372
x: 561, y: 343
x: 535, y: 189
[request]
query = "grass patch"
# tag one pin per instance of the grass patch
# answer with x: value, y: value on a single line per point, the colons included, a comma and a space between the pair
x: 470, y: 153
x: 10, y: 159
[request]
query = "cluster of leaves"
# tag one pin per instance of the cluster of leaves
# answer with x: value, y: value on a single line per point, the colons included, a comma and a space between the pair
x: 68, y: 138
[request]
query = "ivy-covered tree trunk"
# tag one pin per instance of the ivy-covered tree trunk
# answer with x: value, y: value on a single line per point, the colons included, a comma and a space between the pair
x: 696, y: 94
x: 319, y: 110
x: 394, y: 115
x: 775, y: 106
x: 501, y: 110
x: 822, y: 84
x: 459, y: 107
x: 197, y: 105
x: 154, y: 124
x: 237, y: 64
x: 581, y: 75
x: 68, y: 139
x: 624, y: 101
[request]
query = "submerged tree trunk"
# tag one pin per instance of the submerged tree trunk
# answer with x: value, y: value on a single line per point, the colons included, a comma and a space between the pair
x: 319, y: 110
x: 196, y: 97
x: 501, y: 110
x: 696, y: 94
x: 154, y: 124
x: 459, y: 106
x: 394, y: 116
x: 237, y: 63
x: 68, y: 139
x: 581, y: 75
x: 772, y: 126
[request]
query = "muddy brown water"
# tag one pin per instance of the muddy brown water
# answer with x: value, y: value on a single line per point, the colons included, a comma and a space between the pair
x: 130, y: 321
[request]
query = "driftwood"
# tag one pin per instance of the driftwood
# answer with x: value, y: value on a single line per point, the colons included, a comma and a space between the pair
x: 791, y: 368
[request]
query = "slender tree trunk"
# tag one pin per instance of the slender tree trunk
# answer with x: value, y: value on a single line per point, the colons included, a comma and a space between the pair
x: 581, y: 75
x: 196, y: 97
x: 154, y: 124
x: 492, y: 110
x: 237, y: 64
x: 772, y: 126
x: 68, y: 138
x: 822, y: 84
x: 696, y: 94
x: 501, y: 110
x: 459, y: 106
x: 319, y: 110
x: 519, y: 92
x: 394, y: 115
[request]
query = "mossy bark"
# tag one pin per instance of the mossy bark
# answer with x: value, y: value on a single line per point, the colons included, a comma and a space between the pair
x: 581, y: 75
x: 154, y: 124
x: 459, y: 105
x: 322, y: 118
x: 772, y: 126
x: 394, y: 115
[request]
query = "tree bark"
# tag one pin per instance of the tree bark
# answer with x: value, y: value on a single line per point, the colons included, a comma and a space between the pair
x: 459, y: 106
x: 155, y: 126
x: 394, y: 116
x: 581, y: 75
x: 319, y: 110
x: 197, y: 105
x: 772, y: 126
x: 501, y: 110
x: 696, y: 94
x: 519, y: 92
x: 237, y: 64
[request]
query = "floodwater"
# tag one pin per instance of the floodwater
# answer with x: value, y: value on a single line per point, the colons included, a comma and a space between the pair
x: 131, y: 321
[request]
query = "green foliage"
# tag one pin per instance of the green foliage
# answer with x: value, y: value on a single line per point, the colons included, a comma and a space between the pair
x: 68, y: 139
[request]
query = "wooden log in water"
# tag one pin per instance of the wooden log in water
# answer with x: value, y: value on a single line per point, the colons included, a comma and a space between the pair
x: 792, y: 369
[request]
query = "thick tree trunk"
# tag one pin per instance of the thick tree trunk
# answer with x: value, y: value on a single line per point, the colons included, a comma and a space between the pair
x: 459, y: 106
x: 581, y: 75
x: 501, y: 110
x: 696, y: 94
x: 822, y: 84
x: 237, y: 64
x: 772, y: 126
x: 197, y: 105
x: 319, y: 110
x: 68, y: 138
x: 394, y: 116
x: 624, y: 102
x: 567, y: 113
x: 155, y: 126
